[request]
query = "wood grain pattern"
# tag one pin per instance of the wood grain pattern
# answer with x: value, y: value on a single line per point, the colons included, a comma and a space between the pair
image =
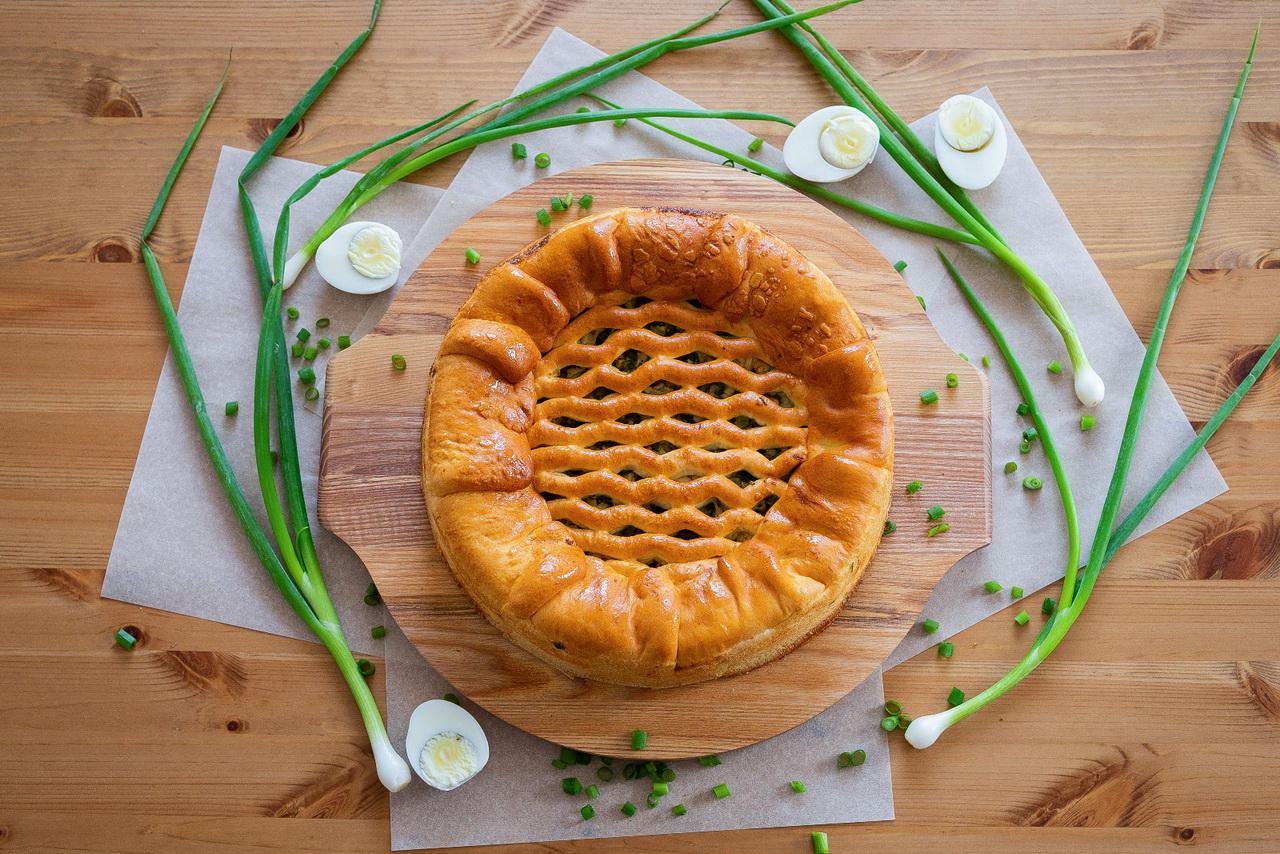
x: 370, y: 493
x: 81, y: 348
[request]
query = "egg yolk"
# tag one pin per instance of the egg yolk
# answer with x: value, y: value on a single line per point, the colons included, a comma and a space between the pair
x: 848, y: 141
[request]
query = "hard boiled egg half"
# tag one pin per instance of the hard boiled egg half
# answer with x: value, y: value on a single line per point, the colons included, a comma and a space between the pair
x: 831, y: 144
x: 360, y: 258
x: 445, y: 744
x: 970, y: 141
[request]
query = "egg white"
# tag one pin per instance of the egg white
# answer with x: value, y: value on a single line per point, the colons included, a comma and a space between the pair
x: 972, y: 170
x: 440, y: 716
x: 802, y: 154
x: 334, y: 266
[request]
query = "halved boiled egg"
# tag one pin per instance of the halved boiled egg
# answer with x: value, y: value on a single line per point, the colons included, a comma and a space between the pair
x: 970, y: 141
x: 360, y: 258
x: 831, y: 144
x: 445, y: 744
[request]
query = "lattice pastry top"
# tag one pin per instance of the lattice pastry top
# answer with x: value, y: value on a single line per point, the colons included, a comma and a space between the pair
x: 658, y: 447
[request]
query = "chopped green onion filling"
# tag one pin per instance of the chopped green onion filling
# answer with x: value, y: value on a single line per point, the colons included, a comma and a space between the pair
x: 993, y: 586
x: 304, y: 333
x: 931, y: 626
x: 125, y: 639
x: 797, y: 787
x: 312, y: 393
x: 956, y: 697
x: 892, y: 707
x: 929, y: 396
x: 378, y: 632
x: 679, y: 809
x: 900, y: 266
x: 952, y: 380
x: 585, y: 200
x: 322, y: 323
x: 639, y: 738
x: 232, y: 407
x: 820, y: 845
x: 1054, y: 367
x: 588, y: 812
x: 1024, y: 409
x: 542, y: 161
x: 365, y: 666
x: 1025, y: 446
x: 709, y: 761
x: 604, y: 773
x: 1022, y: 618
x: 1087, y: 421
x: 936, y: 512
x: 398, y: 362
x: 310, y: 353
x: 913, y: 487
x: 1032, y: 482
x: 938, y: 529
x: 571, y: 785
x: 292, y: 312
x: 344, y: 341
x: 307, y: 375
x: 890, y: 526
x: 628, y: 809
x: 946, y: 649
x: 721, y: 791
x: 544, y: 218
x: 518, y: 151
x: 755, y: 145
x: 1010, y: 467
x: 472, y: 256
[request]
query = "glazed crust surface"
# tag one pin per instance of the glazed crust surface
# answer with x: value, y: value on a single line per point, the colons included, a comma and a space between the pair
x: 658, y: 447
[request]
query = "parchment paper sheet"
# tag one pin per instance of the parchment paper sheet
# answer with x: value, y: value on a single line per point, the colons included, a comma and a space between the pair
x: 179, y: 549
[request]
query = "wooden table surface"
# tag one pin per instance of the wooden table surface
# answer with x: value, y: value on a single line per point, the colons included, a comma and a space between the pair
x: 1154, y: 725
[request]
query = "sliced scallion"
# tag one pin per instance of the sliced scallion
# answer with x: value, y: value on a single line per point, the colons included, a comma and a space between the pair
x: 938, y: 529
x: 472, y: 256
x: 639, y: 738
x: 542, y: 161
x: 232, y: 407
x: 721, y: 791
x: 952, y: 380
x: 936, y: 512
x: 125, y: 639
x: 931, y: 626
x: 928, y: 396
x: 946, y: 649
x: 398, y: 362
x: 1022, y: 618
x: 378, y: 632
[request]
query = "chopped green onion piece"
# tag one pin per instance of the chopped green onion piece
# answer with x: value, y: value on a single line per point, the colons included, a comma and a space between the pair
x: 820, y: 843
x: 307, y: 375
x: 797, y: 787
x: 993, y: 586
x: 312, y: 393
x: 849, y: 760
x: 371, y: 592
x: 892, y: 707
x: 1022, y: 618
x: 1024, y: 409
x: 583, y: 110
x: 890, y: 526
x: 1016, y: 592
x: 304, y: 333
x: 650, y: 770
x: 928, y: 396
x: 721, y: 791
x: 1032, y: 482
x: 557, y: 764
x: 900, y: 266
x: 378, y: 632
x: 628, y: 809
x: 310, y: 353
x: 452, y: 698
x: 592, y: 792
x: 639, y: 738
x: 1048, y: 606
x: 292, y: 312
x: 544, y: 218
x: 297, y: 349
x: 946, y: 649
x: 571, y: 785
x: 679, y: 809
x: 472, y: 256
x: 755, y: 145
x: 398, y: 362
x: 1031, y: 434
x: 904, y: 721
x: 125, y: 639
x: 931, y: 626
x: 322, y: 323
x: 961, y: 355
x: 232, y: 407
x: 581, y: 757
x: 585, y: 200
x: 607, y: 760
x: 518, y: 151
x: 986, y: 361
x: 344, y: 341
x: 1054, y: 367
x: 952, y: 380
x: 924, y: 307
x: 668, y: 775
x: 323, y: 343
x: 588, y: 812
x: 619, y: 122
x: 938, y: 529
x: 1087, y: 421
x: 709, y: 761
x: 956, y: 697
x: 365, y: 666
x: 567, y: 198
x: 1025, y: 446
x: 913, y: 487
x: 557, y: 204
x: 936, y: 512
x: 604, y: 773
x: 542, y: 161
x: 275, y: 457
x: 660, y: 788
x: 889, y: 724
x: 630, y: 771
x: 1010, y: 467
x: 568, y: 755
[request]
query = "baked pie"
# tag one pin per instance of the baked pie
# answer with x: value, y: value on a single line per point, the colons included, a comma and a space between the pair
x: 658, y: 447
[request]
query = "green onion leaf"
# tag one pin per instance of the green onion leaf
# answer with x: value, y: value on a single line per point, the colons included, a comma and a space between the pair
x: 322, y: 323
x: 557, y: 204
x: 371, y: 592
x: 660, y: 788
x: 1025, y: 446
x: 986, y: 361
x: 571, y: 785
x: 585, y: 200
x: 924, y: 307
x: 303, y: 334
x: 310, y: 353
x: 557, y: 764
x: 292, y: 313
x: 297, y: 350
x: 1031, y: 434
x: 889, y: 724
x: 312, y: 393
x: 1016, y: 592
x: 323, y: 343
x: 568, y: 755
x: 1024, y: 409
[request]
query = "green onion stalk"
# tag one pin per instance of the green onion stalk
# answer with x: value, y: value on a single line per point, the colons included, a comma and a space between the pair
x: 924, y: 731
x: 420, y: 153
x: 1089, y: 386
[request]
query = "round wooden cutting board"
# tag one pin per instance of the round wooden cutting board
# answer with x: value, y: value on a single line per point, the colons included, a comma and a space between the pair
x: 370, y: 493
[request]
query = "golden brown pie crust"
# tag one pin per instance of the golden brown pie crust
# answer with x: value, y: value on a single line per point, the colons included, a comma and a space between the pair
x: 658, y: 447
